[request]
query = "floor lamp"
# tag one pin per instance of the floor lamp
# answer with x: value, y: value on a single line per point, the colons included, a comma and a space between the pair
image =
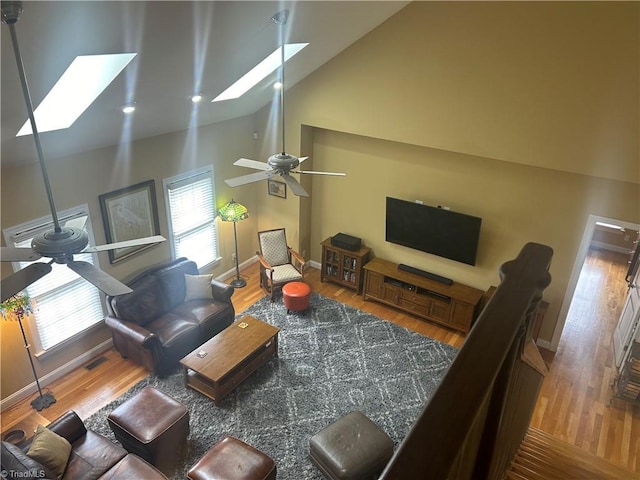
x: 234, y: 212
x: 16, y: 308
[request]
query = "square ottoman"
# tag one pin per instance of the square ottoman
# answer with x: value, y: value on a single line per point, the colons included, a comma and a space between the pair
x: 232, y: 459
x: 351, y: 448
x: 152, y: 425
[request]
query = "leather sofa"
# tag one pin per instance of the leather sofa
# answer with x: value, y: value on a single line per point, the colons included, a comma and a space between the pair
x: 154, y: 325
x: 92, y: 456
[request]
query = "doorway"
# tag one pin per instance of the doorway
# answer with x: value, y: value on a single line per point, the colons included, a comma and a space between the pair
x: 585, y: 244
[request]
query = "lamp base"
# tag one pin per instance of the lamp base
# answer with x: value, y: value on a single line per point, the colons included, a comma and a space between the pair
x: 239, y: 283
x: 43, y: 401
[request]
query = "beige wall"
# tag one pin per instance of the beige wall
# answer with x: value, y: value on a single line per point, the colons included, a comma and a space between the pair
x: 80, y: 179
x: 523, y: 113
x: 548, y: 84
x: 614, y: 239
x: 518, y: 204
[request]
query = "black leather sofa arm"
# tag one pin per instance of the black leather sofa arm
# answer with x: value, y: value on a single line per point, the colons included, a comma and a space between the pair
x: 68, y: 425
x: 221, y: 291
x: 132, y: 331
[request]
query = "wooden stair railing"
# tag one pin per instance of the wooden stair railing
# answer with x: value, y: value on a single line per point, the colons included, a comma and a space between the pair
x: 475, y: 421
x: 543, y: 457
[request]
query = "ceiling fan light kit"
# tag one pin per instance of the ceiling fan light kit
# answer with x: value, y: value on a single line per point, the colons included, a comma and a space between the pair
x: 282, y: 163
x: 61, y: 242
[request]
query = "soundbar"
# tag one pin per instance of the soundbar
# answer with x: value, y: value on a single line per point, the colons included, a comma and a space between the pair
x: 425, y: 274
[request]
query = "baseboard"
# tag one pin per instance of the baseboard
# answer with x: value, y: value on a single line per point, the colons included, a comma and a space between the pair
x: 545, y: 344
x: 232, y: 273
x: 59, y: 372
x: 314, y: 264
x: 608, y: 246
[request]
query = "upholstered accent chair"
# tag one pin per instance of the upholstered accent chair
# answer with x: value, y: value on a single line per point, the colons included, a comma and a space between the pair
x: 279, y: 264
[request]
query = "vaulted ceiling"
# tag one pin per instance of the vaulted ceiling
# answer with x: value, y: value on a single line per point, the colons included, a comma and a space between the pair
x: 183, y: 48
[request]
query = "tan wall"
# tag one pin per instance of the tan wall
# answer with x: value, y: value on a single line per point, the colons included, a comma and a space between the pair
x: 523, y: 113
x: 549, y: 84
x: 518, y: 204
x: 614, y: 239
x: 80, y: 179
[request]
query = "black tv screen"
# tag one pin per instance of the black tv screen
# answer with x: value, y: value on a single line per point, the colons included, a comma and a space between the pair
x: 433, y: 230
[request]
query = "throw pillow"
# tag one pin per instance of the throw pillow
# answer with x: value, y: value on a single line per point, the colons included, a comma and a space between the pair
x: 198, y: 286
x: 51, y: 450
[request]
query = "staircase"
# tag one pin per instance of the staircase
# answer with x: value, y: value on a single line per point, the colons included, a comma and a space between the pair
x: 542, y: 457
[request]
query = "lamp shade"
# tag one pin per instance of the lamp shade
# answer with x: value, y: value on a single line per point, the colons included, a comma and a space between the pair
x: 16, y: 307
x: 233, y: 212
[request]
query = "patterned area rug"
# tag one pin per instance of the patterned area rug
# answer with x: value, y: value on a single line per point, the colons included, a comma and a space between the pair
x: 332, y: 359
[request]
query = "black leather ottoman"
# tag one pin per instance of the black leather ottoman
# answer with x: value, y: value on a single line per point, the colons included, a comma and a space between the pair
x: 232, y: 459
x: 351, y: 448
x: 152, y: 425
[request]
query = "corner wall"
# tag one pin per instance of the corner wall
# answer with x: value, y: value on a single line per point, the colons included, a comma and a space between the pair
x: 523, y: 113
x: 80, y: 179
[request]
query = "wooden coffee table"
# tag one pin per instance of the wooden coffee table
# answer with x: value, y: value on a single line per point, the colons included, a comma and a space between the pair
x: 222, y: 363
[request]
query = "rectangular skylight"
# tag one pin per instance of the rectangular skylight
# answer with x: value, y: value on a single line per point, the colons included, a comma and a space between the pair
x: 259, y: 72
x: 75, y: 90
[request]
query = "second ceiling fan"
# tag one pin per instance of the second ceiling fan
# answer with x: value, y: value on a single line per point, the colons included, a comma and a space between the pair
x: 283, y: 163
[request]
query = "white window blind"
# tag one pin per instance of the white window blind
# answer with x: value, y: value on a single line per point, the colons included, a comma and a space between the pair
x: 192, y: 213
x: 64, y: 303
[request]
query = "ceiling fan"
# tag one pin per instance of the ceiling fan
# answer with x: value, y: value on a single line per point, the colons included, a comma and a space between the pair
x: 283, y: 163
x: 62, y: 242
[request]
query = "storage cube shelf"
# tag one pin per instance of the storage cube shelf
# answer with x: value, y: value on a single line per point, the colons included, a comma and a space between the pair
x: 343, y: 266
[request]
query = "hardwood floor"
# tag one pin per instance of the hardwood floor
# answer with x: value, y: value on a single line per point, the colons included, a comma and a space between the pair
x: 574, y: 402
x: 573, y: 405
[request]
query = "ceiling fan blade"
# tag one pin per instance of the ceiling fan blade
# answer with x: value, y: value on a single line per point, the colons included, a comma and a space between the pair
x: 100, y: 279
x: 78, y: 222
x: 15, y: 254
x: 22, y: 279
x: 126, y: 243
x: 335, y: 174
x: 295, y: 186
x: 247, y: 162
x: 252, y: 177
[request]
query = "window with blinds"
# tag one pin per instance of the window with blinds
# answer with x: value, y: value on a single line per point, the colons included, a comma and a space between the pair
x: 64, y: 303
x: 191, y: 211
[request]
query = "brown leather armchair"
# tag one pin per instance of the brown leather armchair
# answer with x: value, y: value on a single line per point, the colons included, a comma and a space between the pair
x: 156, y: 327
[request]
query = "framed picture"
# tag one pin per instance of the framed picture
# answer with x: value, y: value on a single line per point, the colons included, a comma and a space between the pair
x: 127, y: 214
x: 276, y: 188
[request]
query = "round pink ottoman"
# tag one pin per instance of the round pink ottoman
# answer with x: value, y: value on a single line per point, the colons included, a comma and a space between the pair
x: 296, y: 296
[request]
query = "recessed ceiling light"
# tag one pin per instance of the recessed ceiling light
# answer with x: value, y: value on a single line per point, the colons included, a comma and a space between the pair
x: 130, y: 108
x: 259, y: 72
x: 277, y: 85
x: 196, y: 98
x: 75, y: 90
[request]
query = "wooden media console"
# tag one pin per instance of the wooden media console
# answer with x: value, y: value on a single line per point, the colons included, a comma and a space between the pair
x: 454, y: 306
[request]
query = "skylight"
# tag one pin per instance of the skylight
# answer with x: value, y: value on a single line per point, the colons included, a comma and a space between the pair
x: 259, y: 72
x: 75, y: 90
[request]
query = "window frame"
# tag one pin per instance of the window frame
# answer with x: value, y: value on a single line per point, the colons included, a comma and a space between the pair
x: 193, y: 175
x: 20, y: 233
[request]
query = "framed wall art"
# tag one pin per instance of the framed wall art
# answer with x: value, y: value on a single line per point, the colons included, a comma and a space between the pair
x: 276, y: 188
x: 130, y: 213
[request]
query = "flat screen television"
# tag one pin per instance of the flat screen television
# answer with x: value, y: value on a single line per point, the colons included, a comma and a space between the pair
x: 433, y: 230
